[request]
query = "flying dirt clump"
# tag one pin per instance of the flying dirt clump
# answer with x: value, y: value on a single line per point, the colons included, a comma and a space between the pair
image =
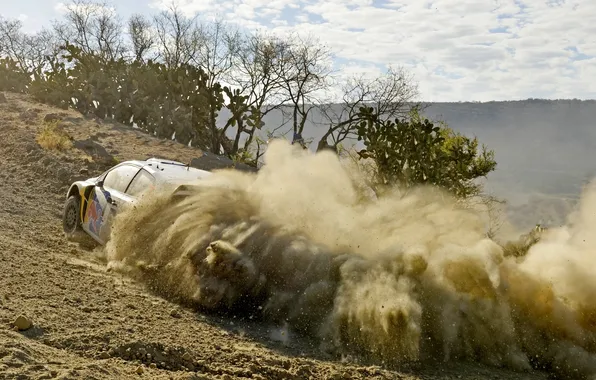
x: 406, y: 277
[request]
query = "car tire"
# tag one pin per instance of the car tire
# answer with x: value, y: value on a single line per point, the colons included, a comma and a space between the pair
x: 72, y: 225
x: 71, y: 218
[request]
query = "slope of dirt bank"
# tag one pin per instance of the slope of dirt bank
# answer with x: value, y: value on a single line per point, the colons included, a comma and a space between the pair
x: 93, y: 324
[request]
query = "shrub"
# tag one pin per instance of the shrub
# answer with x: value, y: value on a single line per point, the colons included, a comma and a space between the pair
x: 52, y: 137
x: 520, y: 247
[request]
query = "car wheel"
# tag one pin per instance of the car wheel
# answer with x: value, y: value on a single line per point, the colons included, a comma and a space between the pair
x: 71, y: 219
x: 71, y: 223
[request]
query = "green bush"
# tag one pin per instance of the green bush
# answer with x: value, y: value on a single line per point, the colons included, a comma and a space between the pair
x: 414, y: 151
x: 160, y: 100
x: 12, y: 78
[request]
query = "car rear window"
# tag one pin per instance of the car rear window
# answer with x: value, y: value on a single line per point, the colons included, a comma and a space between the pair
x: 142, y: 182
x: 119, y: 178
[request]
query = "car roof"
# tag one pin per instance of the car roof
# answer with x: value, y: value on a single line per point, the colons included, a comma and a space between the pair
x: 168, y: 171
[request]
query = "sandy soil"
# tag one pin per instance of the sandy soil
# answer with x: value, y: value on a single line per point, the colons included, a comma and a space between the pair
x: 93, y: 324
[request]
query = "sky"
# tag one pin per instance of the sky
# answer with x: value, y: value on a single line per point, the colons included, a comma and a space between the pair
x: 457, y: 50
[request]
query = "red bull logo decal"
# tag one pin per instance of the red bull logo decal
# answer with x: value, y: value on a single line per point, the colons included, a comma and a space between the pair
x: 94, y: 215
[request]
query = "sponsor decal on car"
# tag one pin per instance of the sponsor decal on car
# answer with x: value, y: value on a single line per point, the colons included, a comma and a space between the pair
x: 95, y: 214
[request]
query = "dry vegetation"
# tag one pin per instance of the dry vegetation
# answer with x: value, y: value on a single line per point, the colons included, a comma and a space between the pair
x: 521, y: 246
x: 52, y: 137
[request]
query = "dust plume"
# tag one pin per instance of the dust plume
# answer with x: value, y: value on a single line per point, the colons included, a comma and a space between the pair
x: 406, y: 277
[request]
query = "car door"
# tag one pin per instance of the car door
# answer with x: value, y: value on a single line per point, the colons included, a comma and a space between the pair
x: 106, y: 199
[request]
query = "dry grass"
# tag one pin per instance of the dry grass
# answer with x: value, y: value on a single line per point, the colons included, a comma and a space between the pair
x: 51, y: 137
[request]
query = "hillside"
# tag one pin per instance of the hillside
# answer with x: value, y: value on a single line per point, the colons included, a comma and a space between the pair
x: 544, y: 150
x: 91, y: 323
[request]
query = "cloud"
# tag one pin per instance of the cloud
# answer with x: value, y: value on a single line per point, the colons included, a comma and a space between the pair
x: 63, y: 8
x: 189, y: 7
x: 457, y: 49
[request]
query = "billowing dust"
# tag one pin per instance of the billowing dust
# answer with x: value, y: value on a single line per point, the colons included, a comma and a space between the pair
x: 405, y: 277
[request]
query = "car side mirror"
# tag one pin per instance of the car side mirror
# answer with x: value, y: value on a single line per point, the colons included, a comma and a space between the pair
x: 99, y: 183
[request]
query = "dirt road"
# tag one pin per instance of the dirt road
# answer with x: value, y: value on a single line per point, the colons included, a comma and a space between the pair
x: 93, y: 324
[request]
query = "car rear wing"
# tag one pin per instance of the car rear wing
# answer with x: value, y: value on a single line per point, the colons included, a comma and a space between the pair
x: 186, y: 190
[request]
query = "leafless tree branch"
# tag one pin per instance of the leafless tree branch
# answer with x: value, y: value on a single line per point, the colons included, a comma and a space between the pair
x: 390, y: 95
x: 94, y: 27
x: 141, y: 36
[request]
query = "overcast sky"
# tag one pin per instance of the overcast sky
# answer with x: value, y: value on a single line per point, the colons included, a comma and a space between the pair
x: 457, y: 49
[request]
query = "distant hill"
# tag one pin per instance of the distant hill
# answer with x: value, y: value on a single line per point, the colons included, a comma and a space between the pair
x: 545, y: 149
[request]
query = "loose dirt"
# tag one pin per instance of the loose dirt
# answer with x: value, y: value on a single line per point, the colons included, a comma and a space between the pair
x: 79, y: 320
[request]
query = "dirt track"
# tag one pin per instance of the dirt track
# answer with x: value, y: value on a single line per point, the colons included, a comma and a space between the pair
x: 93, y: 324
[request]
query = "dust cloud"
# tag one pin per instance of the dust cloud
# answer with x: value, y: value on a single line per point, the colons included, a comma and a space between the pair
x: 406, y: 277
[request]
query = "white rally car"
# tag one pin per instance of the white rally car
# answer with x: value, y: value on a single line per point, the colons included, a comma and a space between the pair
x: 92, y: 204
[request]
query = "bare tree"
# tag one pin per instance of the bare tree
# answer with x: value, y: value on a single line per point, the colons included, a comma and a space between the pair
x: 255, y: 75
x: 390, y: 95
x: 257, y: 70
x: 305, y: 70
x: 30, y: 52
x: 220, y: 44
x: 141, y: 36
x: 272, y: 73
x: 41, y: 47
x: 178, y: 37
x: 12, y: 41
x: 92, y: 26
